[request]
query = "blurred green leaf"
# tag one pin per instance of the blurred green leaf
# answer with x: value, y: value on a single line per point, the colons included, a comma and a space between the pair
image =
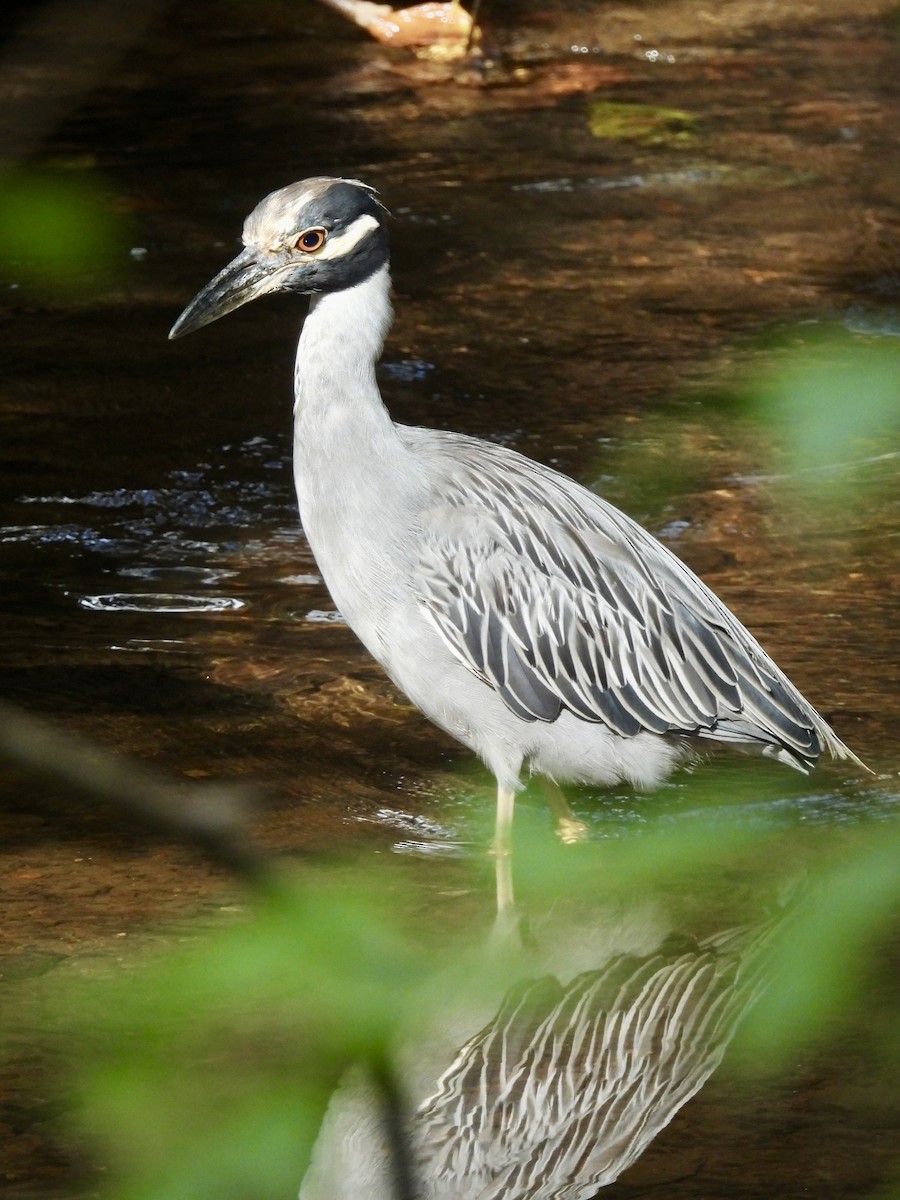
x: 58, y: 227
x: 203, y: 1072
x: 832, y: 401
x: 826, y: 951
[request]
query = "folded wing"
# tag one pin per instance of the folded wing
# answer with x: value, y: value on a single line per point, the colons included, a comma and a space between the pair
x: 559, y: 601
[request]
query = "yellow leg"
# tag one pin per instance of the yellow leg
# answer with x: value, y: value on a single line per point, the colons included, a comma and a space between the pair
x: 568, y: 827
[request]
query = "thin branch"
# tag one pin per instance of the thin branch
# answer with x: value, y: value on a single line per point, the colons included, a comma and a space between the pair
x: 385, y: 1079
x: 212, y: 817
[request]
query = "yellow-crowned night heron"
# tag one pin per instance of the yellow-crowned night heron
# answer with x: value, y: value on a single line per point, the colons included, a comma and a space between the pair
x: 523, y: 614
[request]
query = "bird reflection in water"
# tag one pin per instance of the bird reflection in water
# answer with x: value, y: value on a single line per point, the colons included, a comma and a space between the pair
x: 566, y: 1084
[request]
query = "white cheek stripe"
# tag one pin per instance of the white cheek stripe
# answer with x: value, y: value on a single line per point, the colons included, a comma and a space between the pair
x: 344, y: 242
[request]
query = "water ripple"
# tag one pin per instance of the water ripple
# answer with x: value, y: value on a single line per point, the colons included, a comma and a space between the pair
x: 159, y: 602
x: 685, y: 177
x: 202, y: 509
x: 325, y: 618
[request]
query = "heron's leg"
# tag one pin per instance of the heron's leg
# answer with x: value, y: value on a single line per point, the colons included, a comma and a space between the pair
x: 506, y: 800
x: 568, y: 827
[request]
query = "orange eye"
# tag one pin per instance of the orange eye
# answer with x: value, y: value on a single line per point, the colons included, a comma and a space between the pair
x: 311, y: 240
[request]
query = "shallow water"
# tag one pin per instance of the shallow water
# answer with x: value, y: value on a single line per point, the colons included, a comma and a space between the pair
x: 594, y: 303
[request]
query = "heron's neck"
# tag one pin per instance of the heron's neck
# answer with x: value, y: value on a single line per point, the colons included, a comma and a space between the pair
x: 351, y: 467
x: 341, y: 341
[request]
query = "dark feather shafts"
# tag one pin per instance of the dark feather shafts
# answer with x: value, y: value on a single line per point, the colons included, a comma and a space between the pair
x: 566, y: 1086
x: 562, y: 603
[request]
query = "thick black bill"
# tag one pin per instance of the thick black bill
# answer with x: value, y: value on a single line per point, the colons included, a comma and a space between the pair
x: 243, y: 279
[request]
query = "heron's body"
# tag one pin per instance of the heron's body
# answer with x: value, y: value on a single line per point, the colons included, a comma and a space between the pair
x: 534, y: 622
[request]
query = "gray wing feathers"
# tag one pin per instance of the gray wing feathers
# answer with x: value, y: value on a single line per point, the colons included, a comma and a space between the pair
x: 559, y: 601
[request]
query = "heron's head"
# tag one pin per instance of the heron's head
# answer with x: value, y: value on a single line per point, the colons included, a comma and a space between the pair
x: 321, y: 235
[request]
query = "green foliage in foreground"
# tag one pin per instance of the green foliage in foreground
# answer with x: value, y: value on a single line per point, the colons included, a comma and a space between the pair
x: 833, y: 402
x: 58, y: 229
x: 204, y: 1071
x: 819, y: 422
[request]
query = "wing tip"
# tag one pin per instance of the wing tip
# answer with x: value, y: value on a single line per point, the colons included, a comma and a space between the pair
x: 841, y: 753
